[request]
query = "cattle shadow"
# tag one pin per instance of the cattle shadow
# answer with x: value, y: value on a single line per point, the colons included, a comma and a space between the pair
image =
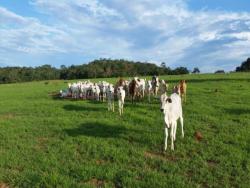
x: 71, y: 107
x: 104, y: 130
x: 59, y: 98
x: 237, y: 111
x: 96, y: 129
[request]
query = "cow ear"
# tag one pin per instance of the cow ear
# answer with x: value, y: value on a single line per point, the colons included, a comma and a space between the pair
x: 169, y: 100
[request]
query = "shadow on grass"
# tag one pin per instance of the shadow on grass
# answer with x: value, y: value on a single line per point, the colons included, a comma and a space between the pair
x: 104, y: 130
x: 58, y: 97
x: 96, y: 129
x: 237, y: 111
x: 71, y: 107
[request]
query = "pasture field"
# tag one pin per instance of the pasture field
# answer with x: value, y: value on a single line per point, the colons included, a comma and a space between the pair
x: 51, y: 142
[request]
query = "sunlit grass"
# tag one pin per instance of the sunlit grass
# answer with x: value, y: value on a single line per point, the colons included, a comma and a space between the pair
x: 48, y: 142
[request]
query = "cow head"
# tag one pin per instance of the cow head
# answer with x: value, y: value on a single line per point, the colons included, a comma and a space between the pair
x: 165, y: 100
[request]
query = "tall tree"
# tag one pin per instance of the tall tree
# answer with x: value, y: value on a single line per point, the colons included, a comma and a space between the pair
x: 244, y: 67
x: 196, y: 70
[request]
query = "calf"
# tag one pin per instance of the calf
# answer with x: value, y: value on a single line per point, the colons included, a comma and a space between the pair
x: 141, y: 83
x: 149, y: 89
x: 121, y: 97
x: 64, y: 93
x: 74, y: 90
x: 110, y: 97
x: 155, y: 84
x: 172, y: 110
x: 183, y: 90
x: 96, y: 91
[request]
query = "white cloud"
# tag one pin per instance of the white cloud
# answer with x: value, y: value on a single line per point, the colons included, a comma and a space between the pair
x: 159, y: 30
x: 7, y: 16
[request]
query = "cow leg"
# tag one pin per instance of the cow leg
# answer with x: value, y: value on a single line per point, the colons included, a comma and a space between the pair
x: 166, y: 138
x: 108, y: 105
x: 182, y: 131
x: 175, y: 127
x: 119, y: 105
x: 172, y: 135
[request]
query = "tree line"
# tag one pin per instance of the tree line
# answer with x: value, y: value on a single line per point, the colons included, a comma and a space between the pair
x: 102, y: 68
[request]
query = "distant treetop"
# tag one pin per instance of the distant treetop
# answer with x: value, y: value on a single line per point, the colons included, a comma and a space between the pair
x: 244, y: 67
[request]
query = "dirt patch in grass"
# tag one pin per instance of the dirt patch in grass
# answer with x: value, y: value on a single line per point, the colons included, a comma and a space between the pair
x: 4, y: 185
x: 95, y: 182
x: 212, y: 163
x: 7, y: 116
x: 42, y: 141
x: 161, y: 156
x: 100, y: 162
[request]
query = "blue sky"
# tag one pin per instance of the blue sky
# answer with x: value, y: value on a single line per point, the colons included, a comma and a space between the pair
x: 209, y: 34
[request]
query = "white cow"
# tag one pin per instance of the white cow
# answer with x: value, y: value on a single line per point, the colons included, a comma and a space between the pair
x: 95, y: 91
x: 172, y: 110
x: 149, y: 89
x: 74, y: 88
x: 121, y: 98
x: 155, y: 84
x: 103, y: 90
x: 110, y: 96
x: 64, y: 93
x: 141, y: 86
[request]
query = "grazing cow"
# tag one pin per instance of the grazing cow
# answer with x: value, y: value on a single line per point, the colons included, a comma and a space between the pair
x: 64, y: 93
x: 121, y: 98
x: 183, y: 90
x: 155, y: 85
x: 172, y: 110
x: 110, y: 97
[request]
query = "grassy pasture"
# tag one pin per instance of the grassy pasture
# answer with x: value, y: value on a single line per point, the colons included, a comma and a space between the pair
x: 49, y: 142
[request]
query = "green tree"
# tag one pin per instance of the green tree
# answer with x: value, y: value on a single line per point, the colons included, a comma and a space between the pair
x: 244, y: 67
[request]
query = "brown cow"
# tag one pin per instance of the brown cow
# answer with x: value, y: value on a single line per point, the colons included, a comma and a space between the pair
x: 183, y: 90
x: 120, y: 82
x: 133, y: 90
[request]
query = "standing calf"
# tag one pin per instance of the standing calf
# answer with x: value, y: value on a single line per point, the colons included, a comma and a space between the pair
x: 172, y: 110
x: 121, y: 97
x: 110, y: 97
x: 149, y: 89
x: 183, y: 90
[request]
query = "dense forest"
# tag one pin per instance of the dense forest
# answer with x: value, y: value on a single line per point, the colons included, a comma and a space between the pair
x: 101, y: 68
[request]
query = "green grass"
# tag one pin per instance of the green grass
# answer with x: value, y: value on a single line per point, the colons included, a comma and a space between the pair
x: 48, y: 142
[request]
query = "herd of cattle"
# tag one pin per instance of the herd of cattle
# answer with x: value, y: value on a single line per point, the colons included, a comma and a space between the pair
x: 135, y: 89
